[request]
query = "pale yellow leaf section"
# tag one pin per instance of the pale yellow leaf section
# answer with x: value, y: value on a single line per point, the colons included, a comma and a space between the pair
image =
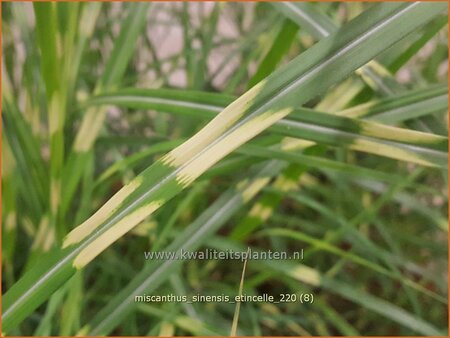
x: 49, y: 240
x: 260, y: 211
x: 388, y: 151
x: 368, y: 71
x: 11, y: 222
x: 86, y: 228
x: 88, y: 20
x: 167, y: 330
x: 103, y: 241
x: 285, y: 184
x: 227, y: 144
x: 339, y: 97
x: 305, y: 274
x: 83, y: 331
x: 144, y: 228
x: 55, y: 193
x: 308, y: 180
x: 359, y: 110
x: 398, y: 134
x: 253, y: 188
x: 213, y: 129
x: 92, y: 122
x: 291, y: 144
x: 45, y: 236
x: 59, y: 43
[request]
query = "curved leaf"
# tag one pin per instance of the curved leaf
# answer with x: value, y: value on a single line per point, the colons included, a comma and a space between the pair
x: 306, y: 76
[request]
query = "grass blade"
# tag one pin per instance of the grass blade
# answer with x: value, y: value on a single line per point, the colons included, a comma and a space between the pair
x: 371, y: 137
x: 270, y: 100
x: 238, y: 304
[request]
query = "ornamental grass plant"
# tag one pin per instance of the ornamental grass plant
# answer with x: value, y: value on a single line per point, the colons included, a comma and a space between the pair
x: 167, y: 127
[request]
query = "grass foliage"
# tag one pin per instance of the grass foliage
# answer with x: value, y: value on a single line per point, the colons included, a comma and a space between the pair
x: 130, y: 127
